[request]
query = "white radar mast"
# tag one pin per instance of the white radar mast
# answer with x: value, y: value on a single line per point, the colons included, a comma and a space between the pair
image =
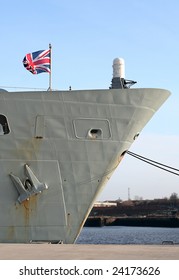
x: 118, y: 80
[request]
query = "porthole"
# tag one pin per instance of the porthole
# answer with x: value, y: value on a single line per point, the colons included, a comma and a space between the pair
x: 4, y: 126
x: 95, y: 133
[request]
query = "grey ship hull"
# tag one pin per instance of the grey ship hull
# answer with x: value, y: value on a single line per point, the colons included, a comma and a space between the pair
x: 58, y: 150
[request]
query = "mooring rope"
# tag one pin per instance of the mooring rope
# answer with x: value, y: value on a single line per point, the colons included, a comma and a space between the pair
x: 157, y: 164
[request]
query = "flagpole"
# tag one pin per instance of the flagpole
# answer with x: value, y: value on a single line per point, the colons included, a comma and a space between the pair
x: 50, y: 74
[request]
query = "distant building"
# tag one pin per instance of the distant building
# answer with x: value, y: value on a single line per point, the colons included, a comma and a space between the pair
x: 105, y: 204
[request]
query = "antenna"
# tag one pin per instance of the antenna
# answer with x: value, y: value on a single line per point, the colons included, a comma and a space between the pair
x: 129, y: 198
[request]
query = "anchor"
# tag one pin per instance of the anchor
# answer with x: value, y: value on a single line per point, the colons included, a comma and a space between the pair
x: 30, y: 187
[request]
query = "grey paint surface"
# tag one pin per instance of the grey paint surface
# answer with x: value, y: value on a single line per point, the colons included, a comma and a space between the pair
x: 72, y: 142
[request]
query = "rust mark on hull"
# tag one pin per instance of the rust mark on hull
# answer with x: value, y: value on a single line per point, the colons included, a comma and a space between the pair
x: 28, y: 149
x: 29, y: 209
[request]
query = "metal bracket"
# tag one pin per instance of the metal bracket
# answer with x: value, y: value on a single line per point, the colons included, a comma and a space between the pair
x: 30, y: 187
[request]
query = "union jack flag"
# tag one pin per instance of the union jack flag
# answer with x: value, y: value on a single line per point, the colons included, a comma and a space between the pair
x: 38, y: 62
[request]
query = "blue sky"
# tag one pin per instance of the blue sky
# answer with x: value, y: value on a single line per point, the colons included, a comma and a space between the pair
x: 86, y: 36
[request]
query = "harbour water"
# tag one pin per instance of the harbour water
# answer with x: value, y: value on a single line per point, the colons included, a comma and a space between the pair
x: 128, y: 235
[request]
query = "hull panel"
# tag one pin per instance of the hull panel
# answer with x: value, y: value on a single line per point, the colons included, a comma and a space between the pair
x: 59, y: 152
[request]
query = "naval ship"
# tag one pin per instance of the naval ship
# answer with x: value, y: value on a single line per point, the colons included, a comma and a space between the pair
x: 58, y: 150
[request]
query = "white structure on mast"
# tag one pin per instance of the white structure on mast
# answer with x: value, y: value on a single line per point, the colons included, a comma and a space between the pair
x: 118, y: 80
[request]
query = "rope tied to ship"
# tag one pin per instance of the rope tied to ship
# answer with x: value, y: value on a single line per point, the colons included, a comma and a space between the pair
x: 157, y: 164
